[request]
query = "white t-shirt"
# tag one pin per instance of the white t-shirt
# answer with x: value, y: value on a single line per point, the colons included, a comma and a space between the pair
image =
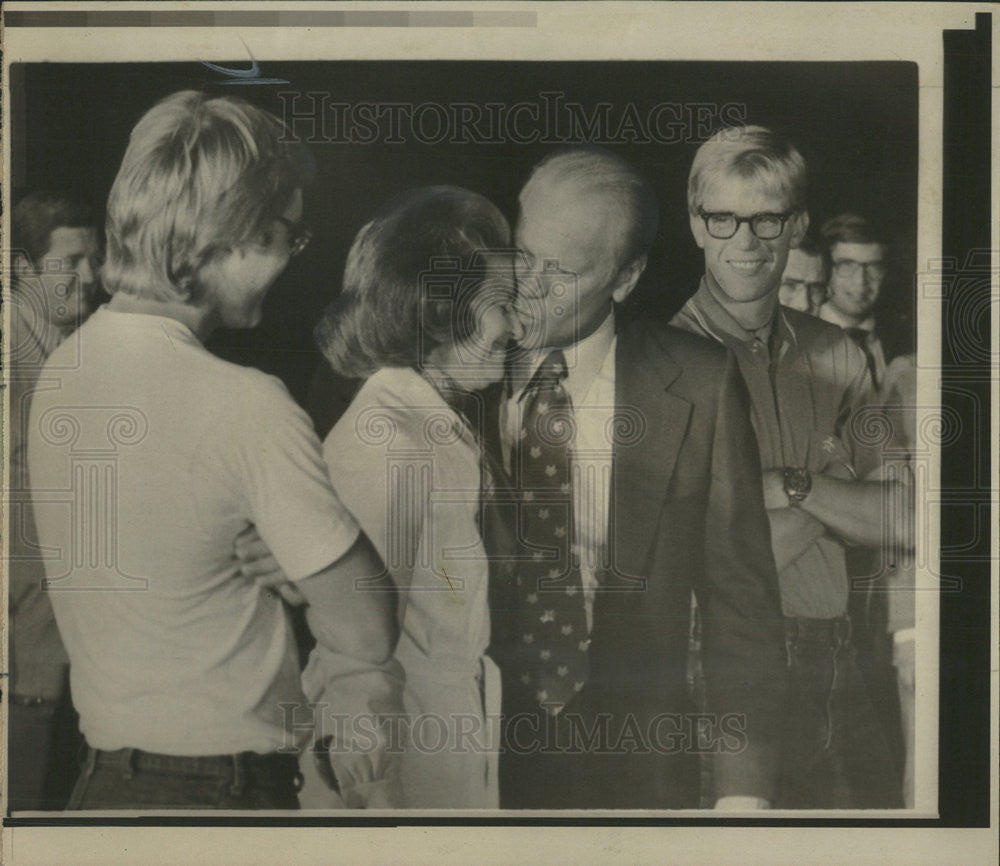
x: 147, y: 458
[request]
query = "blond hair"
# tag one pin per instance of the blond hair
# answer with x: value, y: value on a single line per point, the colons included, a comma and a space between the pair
x: 200, y: 175
x: 749, y: 152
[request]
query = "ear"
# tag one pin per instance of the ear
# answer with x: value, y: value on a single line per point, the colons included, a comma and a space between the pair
x: 697, y: 229
x: 798, y: 226
x: 628, y: 277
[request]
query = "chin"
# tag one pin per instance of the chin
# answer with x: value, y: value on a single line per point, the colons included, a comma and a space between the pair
x: 249, y: 319
x: 63, y: 322
x: 73, y: 315
x: 749, y: 292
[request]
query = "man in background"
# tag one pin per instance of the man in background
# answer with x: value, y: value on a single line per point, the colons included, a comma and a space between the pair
x: 55, y: 251
x: 857, y: 258
x: 803, y: 284
x: 857, y: 254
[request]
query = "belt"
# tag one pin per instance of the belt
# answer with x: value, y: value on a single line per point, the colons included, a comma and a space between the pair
x: 237, y: 768
x: 32, y: 701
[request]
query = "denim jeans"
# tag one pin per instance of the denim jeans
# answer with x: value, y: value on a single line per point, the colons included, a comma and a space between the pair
x: 133, y: 779
x: 835, y: 754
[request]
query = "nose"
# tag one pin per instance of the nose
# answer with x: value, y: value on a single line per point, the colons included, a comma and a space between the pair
x: 799, y: 300
x: 86, y: 272
x: 744, y: 238
x: 514, y: 325
x: 528, y: 282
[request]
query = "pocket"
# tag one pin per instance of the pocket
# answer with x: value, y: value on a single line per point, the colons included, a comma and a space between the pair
x: 79, y: 792
x: 80, y: 788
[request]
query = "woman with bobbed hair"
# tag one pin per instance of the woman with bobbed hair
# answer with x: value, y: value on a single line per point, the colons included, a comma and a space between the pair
x: 426, y: 315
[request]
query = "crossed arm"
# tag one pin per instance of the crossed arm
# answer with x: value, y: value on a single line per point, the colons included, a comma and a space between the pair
x: 867, y: 513
x: 351, y: 611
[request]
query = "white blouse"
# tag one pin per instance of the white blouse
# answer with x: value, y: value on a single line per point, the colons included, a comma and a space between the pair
x: 408, y: 467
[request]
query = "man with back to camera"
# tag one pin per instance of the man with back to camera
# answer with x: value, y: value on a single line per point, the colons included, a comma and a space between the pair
x: 184, y: 673
x: 807, y: 381
x: 857, y: 257
x: 803, y: 284
x: 54, y: 274
x: 654, y: 493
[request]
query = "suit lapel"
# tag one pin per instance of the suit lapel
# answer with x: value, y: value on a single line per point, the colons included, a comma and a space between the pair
x: 651, y: 423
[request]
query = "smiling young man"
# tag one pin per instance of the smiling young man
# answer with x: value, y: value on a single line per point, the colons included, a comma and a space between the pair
x: 632, y: 462
x: 746, y: 198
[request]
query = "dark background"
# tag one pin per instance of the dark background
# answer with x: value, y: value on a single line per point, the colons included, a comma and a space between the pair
x: 966, y: 643
x: 855, y: 123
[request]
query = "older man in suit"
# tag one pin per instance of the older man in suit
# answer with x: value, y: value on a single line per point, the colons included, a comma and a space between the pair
x: 635, y: 478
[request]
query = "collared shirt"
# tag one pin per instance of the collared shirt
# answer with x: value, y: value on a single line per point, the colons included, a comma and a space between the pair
x: 591, y: 386
x: 872, y: 344
x: 805, y: 383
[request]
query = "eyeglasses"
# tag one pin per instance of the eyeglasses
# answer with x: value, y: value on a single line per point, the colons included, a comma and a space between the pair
x: 766, y: 226
x: 848, y: 269
x: 299, y: 235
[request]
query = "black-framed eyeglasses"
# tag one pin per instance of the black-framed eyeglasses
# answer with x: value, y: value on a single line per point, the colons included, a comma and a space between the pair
x: 766, y: 226
x: 299, y: 235
x: 848, y: 269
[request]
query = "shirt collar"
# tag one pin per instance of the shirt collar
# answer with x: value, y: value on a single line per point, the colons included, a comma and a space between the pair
x: 583, y: 359
x: 716, y: 320
x: 829, y: 313
x: 135, y: 321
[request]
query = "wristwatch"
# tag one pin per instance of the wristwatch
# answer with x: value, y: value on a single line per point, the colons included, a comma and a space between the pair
x: 798, y: 483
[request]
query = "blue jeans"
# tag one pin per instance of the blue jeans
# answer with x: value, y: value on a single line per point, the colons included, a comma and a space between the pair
x: 130, y: 779
x: 835, y: 754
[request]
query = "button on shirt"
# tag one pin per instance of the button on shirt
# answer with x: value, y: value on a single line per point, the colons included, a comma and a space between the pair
x: 591, y: 386
x: 806, y: 382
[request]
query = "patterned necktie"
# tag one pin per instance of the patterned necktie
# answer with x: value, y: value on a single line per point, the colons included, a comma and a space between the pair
x: 552, y: 658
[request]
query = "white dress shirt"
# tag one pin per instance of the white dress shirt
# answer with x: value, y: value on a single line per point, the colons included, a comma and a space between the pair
x: 873, y: 345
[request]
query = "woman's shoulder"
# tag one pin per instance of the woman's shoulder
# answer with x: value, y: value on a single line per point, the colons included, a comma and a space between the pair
x: 396, y: 412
